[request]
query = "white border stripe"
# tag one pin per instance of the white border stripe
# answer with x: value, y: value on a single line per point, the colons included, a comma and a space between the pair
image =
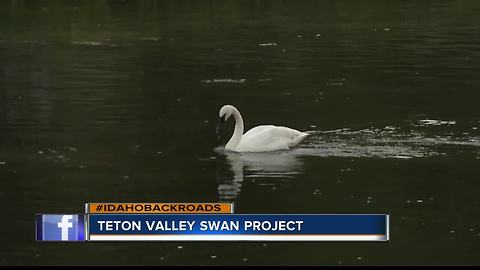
x: 97, y: 237
x: 388, y: 227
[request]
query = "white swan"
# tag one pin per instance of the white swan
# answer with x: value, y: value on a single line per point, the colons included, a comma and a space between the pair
x: 258, y: 139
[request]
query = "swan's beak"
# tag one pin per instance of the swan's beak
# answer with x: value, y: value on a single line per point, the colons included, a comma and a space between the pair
x: 221, y: 121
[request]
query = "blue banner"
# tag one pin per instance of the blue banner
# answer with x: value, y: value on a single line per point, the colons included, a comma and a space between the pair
x: 212, y: 227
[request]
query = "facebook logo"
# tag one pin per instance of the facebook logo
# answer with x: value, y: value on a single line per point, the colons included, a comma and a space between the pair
x: 60, y: 228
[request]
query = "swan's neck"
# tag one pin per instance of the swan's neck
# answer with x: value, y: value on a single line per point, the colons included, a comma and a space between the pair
x: 238, y: 132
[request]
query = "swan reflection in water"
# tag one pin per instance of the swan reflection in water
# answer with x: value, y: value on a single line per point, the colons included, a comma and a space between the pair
x: 278, y: 164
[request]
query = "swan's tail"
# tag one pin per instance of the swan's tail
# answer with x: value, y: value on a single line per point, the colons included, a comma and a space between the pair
x: 299, y: 138
x: 308, y: 133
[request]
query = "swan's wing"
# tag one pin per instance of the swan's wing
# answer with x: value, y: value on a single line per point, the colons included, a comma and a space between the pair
x: 270, y: 138
x: 270, y: 131
x: 259, y: 130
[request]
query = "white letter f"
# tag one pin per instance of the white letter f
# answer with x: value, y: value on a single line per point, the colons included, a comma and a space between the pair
x: 64, y: 225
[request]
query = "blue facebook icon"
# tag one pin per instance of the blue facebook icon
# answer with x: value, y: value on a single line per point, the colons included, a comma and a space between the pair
x: 60, y: 228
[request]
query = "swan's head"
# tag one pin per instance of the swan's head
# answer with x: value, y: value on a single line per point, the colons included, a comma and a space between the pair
x: 224, y: 113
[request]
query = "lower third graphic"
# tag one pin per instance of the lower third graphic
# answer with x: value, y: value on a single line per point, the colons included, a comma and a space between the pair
x: 60, y: 228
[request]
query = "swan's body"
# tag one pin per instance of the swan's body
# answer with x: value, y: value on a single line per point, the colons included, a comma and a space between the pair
x: 259, y: 139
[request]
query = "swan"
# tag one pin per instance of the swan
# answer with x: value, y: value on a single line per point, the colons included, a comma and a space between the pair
x: 263, y: 138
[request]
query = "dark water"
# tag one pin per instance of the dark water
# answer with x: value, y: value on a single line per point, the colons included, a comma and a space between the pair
x: 118, y: 101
